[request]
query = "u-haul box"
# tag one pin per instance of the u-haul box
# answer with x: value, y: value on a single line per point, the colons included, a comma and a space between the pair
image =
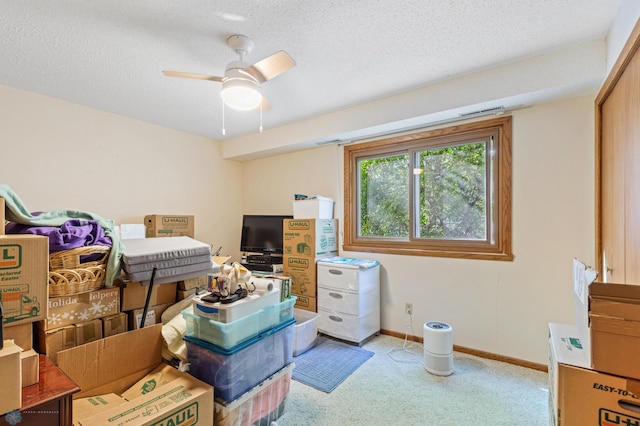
x: 117, y: 363
x: 580, y: 396
x: 163, y: 225
x: 24, y: 269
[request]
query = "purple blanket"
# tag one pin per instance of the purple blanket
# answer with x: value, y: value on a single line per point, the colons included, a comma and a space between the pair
x: 71, y: 234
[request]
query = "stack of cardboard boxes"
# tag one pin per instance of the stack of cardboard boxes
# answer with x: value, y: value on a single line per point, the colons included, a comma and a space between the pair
x: 76, y: 319
x: 594, y: 373
x: 86, y: 335
x: 81, y: 318
x: 23, y: 287
x: 309, y: 236
x: 132, y: 384
x: 134, y: 296
x: 123, y: 380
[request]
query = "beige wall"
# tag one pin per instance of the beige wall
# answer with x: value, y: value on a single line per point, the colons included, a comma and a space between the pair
x: 625, y: 20
x: 498, y: 307
x: 58, y: 155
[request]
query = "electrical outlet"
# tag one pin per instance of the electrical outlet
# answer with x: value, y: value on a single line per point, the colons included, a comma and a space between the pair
x: 408, y: 308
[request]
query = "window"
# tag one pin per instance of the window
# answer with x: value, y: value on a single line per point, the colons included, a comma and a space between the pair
x: 444, y: 192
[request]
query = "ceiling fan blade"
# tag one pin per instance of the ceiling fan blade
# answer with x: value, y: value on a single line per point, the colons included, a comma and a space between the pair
x: 191, y: 75
x: 271, y: 66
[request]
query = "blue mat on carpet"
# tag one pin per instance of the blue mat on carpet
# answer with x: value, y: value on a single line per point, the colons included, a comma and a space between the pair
x: 328, y: 364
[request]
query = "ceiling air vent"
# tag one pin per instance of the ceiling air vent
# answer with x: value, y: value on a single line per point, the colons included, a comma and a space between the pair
x: 483, y: 112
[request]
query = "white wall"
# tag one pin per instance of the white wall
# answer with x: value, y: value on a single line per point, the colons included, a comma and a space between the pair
x: 498, y: 307
x: 571, y: 72
x: 58, y: 155
x: 623, y: 23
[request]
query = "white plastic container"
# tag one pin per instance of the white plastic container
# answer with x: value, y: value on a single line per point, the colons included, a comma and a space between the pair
x: 305, y: 331
x: 233, y: 311
x: 316, y: 208
x: 229, y: 334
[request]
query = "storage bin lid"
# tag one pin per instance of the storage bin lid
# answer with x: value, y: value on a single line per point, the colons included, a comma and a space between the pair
x: 241, y: 346
x: 349, y: 261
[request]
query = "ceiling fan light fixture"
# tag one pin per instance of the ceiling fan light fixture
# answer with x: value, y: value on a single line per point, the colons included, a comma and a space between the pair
x: 241, y: 94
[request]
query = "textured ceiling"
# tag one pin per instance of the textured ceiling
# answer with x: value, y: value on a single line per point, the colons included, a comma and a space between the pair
x: 109, y: 54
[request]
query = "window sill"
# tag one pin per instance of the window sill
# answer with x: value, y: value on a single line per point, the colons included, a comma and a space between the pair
x: 431, y: 253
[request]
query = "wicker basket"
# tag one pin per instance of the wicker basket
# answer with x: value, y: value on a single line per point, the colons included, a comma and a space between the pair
x: 69, y: 275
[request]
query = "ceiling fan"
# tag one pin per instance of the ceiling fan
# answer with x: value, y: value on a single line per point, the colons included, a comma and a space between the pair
x: 241, y: 84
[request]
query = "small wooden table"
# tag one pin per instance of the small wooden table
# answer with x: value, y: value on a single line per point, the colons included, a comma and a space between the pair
x: 48, y: 402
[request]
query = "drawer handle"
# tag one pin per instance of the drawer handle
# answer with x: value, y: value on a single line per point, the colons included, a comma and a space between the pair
x: 335, y: 318
x: 335, y: 295
x: 335, y: 271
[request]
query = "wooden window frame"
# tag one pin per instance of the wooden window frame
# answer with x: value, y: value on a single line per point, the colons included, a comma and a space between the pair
x: 500, y: 249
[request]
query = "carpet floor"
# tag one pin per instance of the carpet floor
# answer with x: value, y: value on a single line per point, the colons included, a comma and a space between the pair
x: 392, y: 387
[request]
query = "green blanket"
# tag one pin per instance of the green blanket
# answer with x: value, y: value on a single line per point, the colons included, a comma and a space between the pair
x: 16, y: 211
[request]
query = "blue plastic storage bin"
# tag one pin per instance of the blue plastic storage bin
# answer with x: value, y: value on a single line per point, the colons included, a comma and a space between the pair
x: 232, y: 372
x: 230, y: 334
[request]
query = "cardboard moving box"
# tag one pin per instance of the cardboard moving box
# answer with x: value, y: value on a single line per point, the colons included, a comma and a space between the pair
x: 30, y: 367
x: 303, y: 274
x: 133, y: 294
x: 154, y: 316
x: 114, y: 364
x: 614, y: 316
x: 92, y: 405
x: 306, y: 303
x: 88, y: 331
x: 581, y: 396
x: 24, y: 269
x: 162, y: 225
x: 21, y: 334
x: 50, y: 342
x: 68, y: 310
x: 160, y: 376
x: 192, y: 283
x: 11, y: 373
x: 114, y: 324
x: 310, y: 237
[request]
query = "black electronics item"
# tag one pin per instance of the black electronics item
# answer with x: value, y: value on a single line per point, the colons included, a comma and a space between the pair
x: 262, y: 267
x: 230, y: 299
x: 262, y: 234
x: 262, y: 259
x: 211, y: 297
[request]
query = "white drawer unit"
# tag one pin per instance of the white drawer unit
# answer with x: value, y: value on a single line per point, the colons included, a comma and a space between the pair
x: 360, y: 303
x: 348, y: 277
x: 348, y: 298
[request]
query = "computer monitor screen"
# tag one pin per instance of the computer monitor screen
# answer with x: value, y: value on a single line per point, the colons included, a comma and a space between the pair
x: 262, y: 233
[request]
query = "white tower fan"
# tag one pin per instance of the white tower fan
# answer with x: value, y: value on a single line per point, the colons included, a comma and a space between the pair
x: 438, y: 348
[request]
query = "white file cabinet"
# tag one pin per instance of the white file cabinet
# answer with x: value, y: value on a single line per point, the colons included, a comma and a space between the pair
x: 348, y: 298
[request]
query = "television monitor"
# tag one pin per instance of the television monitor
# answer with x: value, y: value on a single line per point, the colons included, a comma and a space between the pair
x: 262, y: 234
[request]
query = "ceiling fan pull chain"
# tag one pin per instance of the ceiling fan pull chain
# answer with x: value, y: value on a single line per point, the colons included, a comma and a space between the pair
x: 223, y: 131
x: 260, y: 116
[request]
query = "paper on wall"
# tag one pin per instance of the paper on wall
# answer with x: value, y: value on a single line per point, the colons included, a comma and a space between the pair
x: 583, y: 276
